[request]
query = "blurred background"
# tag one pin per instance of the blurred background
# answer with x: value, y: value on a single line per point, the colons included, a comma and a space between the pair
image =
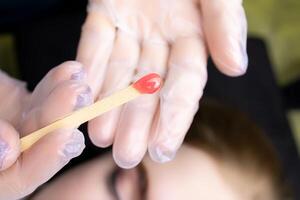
x: 276, y: 23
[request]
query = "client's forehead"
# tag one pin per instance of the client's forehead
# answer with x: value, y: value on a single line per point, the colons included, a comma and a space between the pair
x: 194, y: 174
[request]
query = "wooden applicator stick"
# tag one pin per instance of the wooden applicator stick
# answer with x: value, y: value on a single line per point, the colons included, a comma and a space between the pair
x: 146, y: 85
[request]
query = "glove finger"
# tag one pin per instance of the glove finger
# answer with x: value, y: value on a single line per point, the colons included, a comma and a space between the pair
x: 95, y: 46
x: 67, y: 97
x: 179, y: 97
x: 132, y: 135
x: 225, y: 27
x: 69, y: 70
x: 119, y: 74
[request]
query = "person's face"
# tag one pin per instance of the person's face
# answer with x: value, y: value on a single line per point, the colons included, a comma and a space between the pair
x: 192, y: 175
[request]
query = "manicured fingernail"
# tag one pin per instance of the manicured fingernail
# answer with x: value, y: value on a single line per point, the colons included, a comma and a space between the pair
x: 78, y: 76
x: 161, y: 154
x: 85, y: 98
x: 74, y: 146
x: 3, y: 151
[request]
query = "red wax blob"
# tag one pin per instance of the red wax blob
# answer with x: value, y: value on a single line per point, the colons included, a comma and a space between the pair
x: 148, y: 84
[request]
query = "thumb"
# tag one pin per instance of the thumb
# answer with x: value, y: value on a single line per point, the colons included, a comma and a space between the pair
x: 9, y: 145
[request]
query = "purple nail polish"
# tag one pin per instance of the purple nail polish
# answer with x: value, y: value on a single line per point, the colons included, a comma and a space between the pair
x: 163, y: 152
x: 84, y: 98
x: 78, y: 76
x: 74, y: 146
x: 3, y: 151
x: 162, y: 155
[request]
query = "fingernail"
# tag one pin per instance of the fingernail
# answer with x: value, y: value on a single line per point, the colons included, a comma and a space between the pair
x: 238, y: 53
x: 74, y: 146
x: 77, y: 76
x: 128, y: 160
x: 84, y: 98
x: 126, y: 164
x: 244, y: 57
x: 243, y: 40
x: 162, y: 154
x: 3, y: 151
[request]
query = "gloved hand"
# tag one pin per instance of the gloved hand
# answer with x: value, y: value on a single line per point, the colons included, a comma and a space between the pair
x: 124, y: 39
x: 59, y: 93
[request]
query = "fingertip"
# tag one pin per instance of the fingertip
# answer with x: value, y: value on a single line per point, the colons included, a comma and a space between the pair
x: 130, y: 142
x: 161, y: 154
x: 9, y: 145
x: 65, y: 98
x: 101, y: 131
x: 127, y: 156
x: 230, y: 55
x: 232, y: 65
x: 101, y: 142
x: 226, y: 33
x: 99, y: 139
x: 74, y: 147
x: 125, y: 162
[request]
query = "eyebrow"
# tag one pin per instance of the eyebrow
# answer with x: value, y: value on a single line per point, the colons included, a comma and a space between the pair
x: 142, y: 181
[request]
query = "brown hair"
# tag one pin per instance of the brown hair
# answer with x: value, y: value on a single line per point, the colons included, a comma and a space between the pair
x: 235, y: 141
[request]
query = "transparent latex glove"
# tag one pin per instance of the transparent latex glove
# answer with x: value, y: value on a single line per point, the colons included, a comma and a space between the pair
x: 124, y: 39
x: 60, y: 92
